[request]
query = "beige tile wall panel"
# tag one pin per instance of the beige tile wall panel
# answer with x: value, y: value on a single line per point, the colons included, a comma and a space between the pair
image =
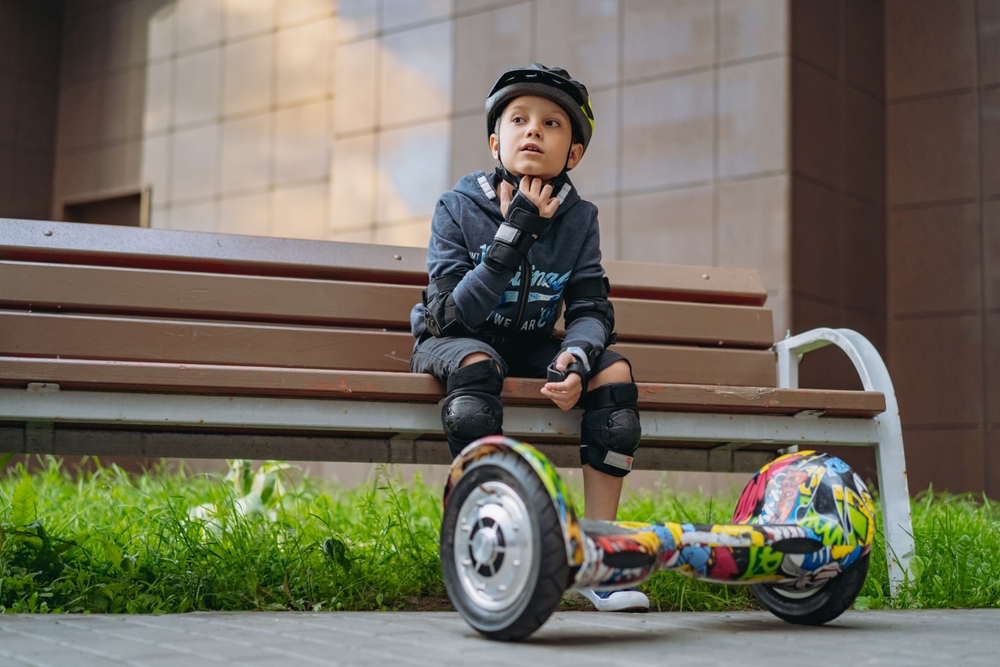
x: 249, y: 214
x: 399, y: 13
x: 416, y: 74
x: 248, y: 74
x: 470, y: 150
x: 753, y: 225
x: 291, y: 12
x: 752, y: 118
x: 195, y: 157
x: 303, y: 61
x: 585, y: 42
x: 355, y: 82
x: 752, y: 28
x: 413, y: 171
x: 200, y: 217
x: 247, y: 17
x: 198, y: 23
x: 665, y: 36
x: 597, y: 173
x: 301, y: 146
x: 352, y: 188
x: 158, y: 109
x: 676, y: 112
x: 669, y: 227
x: 486, y: 45
x: 356, y: 18
x: 246, y: 153
x: 197, y: 79
x: 300, y: 212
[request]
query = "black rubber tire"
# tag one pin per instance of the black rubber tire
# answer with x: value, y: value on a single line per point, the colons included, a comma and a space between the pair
x: 549, y: 570
x: 829, y: 602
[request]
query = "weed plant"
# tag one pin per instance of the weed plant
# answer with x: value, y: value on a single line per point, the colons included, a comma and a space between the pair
x: 170, y: 541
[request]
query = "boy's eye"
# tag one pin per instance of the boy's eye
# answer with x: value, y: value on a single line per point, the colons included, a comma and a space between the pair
x: 552, y: 123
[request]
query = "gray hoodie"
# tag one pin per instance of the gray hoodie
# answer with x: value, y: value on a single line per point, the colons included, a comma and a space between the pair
x: 491, y: 304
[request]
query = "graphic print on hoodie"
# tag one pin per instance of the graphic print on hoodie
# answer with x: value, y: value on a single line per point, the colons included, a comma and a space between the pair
x: 490, y: 306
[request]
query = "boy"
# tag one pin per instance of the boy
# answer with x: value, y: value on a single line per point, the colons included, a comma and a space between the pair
x: 506, y: 251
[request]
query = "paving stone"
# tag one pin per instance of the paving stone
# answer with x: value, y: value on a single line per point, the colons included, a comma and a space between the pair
x: 439, y: 639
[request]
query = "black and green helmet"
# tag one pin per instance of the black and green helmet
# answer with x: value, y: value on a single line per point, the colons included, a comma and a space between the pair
x: 552, y: 83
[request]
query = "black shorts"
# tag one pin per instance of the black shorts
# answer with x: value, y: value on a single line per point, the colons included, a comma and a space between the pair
x: 442, y: 356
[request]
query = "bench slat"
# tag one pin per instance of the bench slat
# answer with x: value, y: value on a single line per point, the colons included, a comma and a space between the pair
x: 186, y: 341
x: 105, y: 245
x: 97, y: 374
x: 75, y: 288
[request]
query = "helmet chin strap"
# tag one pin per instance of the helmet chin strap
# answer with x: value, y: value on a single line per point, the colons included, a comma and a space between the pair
x: 515, y: 181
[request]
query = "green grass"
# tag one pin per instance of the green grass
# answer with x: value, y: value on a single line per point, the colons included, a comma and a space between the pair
x: 168, y: 541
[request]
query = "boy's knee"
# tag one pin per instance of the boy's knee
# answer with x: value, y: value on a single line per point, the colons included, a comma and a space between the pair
x: 473, y: 408
x: 610, y: 431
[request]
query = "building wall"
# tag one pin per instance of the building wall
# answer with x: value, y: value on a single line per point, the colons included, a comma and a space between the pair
x: 345, y: 121
x: 838, y: 272
x: 29, y: 71
x: 943, y: 237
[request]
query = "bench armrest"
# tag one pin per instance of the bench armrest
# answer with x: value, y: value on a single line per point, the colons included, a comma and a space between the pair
x: 893, y: 487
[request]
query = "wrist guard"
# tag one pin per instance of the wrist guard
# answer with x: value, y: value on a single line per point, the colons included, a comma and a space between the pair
x: 516, y: 235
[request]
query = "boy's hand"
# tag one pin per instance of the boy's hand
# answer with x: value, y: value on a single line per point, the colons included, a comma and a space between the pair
x: 565, y: 394
x: 532, y: 188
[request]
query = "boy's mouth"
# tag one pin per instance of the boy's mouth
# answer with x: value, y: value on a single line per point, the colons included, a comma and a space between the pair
x: 531, y: 148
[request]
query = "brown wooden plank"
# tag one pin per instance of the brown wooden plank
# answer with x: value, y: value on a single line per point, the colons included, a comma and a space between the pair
x: 105, y: 245
x: 675, y: 282
x: 94, y: 289
x: 700, y: 365
x: 131, y: 376
x: 187, y: 341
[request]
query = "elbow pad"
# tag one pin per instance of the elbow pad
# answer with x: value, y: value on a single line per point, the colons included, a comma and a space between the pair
x: 589, y: 298
x: 515, y: 236
x: 441, y: 313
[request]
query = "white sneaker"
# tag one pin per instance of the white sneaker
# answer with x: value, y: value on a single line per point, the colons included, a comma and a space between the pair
x: 628, y: 599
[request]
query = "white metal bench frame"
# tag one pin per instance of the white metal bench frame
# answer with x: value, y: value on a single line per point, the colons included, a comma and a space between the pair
x: 398, y: 424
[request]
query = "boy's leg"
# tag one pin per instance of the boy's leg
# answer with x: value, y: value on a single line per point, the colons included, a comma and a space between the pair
x: 602, y: 491
x: 610, y: 425
x: 474, y: 374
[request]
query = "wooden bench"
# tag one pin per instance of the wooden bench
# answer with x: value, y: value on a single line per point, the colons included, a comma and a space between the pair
x: 152, y: 343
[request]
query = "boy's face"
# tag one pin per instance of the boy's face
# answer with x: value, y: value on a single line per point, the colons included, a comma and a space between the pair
x: 535, y: 137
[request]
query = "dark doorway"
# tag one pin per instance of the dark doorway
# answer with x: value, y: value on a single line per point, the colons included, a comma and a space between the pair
x: 127, y: 210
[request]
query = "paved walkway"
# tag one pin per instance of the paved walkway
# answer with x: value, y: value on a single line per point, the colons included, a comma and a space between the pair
x: 438, y: 639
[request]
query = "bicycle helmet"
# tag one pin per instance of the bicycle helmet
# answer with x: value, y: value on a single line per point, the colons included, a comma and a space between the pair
x: 553, y: 84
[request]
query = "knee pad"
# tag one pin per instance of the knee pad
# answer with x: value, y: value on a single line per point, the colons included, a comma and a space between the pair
x: 473, y: 408
x: 610, y: 432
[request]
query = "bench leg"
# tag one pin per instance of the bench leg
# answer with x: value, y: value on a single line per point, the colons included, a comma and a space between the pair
x: 893, y: 487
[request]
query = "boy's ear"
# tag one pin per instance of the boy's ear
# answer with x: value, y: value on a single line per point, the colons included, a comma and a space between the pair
x: 575, y: 155
x: 495, y: 146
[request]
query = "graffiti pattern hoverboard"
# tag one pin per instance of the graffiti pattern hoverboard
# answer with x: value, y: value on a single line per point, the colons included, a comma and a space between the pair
x: 511, y: 542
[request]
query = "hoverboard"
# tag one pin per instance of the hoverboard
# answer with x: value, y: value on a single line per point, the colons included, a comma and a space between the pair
x: 511, y: 542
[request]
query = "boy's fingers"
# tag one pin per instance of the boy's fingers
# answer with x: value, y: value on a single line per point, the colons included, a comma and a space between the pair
x: 547, y: 193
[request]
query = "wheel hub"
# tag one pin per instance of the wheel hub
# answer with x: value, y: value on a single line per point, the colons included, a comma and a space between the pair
x: 493, y: 546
